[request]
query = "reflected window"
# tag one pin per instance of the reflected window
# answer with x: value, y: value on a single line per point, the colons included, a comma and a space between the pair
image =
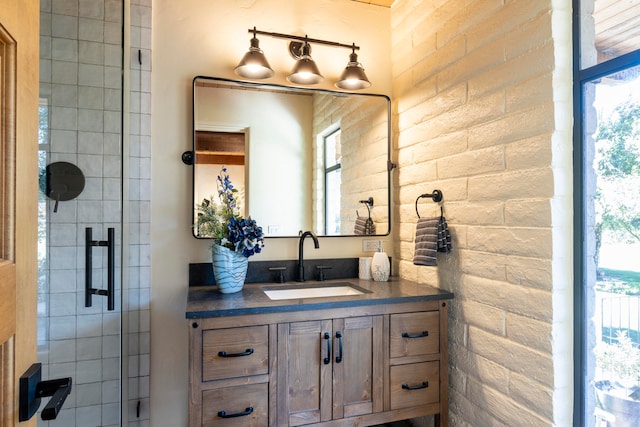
x: 332, y: 182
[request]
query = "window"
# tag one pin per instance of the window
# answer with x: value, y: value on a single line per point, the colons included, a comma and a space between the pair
x: 607, y: 213
x: 332, y: 182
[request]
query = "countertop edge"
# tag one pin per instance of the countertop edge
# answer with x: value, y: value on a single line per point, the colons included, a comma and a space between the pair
x: 213, y: 305
x: 314, y: 306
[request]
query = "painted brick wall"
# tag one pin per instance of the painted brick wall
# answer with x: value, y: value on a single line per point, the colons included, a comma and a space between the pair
x: 482, y: 111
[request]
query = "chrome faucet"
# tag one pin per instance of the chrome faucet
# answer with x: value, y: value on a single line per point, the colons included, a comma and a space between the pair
x: 316, y: 244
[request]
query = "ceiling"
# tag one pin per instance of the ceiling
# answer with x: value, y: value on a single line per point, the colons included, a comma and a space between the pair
x: 385, y: 3
x: 617, y: 25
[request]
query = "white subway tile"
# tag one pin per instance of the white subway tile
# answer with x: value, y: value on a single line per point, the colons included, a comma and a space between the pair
x: 91, y: 9
x: 88, y: 371
x: 88, y: 394
x: 89, y: 348
x: 90, y: 30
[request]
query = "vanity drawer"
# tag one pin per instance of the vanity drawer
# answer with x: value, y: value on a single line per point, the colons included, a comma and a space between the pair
x: 414, y: 334
x: 235, y: 352
x: 243, y: 406
x: 415, y: 384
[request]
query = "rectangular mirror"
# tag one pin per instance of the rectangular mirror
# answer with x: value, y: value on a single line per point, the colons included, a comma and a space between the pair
x: 304, y: 159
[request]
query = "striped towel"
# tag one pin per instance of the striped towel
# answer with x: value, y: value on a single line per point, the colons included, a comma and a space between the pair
x: 426, y: 241
x: 364, y: 226
x: 432, y: 236
x: 444, y: 236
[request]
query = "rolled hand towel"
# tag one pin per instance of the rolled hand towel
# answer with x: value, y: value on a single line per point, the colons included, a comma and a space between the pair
x: 360, y: 226
x: 444, y: 236
x: 369, y: 226
x: 426, y: 241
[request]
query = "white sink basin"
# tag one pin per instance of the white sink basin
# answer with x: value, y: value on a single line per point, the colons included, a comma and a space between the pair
x: 314, y: 291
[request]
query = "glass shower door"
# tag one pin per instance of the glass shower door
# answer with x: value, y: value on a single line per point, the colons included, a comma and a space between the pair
x: 80, y: 209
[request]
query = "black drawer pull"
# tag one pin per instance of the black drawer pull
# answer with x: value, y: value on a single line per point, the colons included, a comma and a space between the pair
x: 424, y: 384
x: 327, y: 359
x: 422, y: 335
x: 223, y: 414
x: 247, y: 352
x: 339, y: 356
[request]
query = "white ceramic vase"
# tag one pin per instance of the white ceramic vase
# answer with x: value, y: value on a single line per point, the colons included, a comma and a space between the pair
x: 229, y: 269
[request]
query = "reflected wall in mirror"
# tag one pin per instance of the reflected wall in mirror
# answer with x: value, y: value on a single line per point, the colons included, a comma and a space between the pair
x: 304, y: 159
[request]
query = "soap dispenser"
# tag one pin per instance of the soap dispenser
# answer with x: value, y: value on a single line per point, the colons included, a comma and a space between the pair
x: 380, y: 267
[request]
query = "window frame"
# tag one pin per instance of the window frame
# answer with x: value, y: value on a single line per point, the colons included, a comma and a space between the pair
x: 580, y: 78
x: 326, y: 171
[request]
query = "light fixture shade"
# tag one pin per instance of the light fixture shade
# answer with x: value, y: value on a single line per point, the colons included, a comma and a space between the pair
x: 353, y: 76
x: 305, y: 71
x: 254, y: 64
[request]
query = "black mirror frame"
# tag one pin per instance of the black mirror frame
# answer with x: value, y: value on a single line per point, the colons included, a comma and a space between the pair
x: 188, y: 157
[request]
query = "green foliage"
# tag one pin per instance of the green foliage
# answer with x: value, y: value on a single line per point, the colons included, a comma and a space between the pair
x: 617, y: 142
x: 618, y: 281
x: 621, y: 360
x: 618, y: 166
x: 223, y: 223
x: 212, y: 221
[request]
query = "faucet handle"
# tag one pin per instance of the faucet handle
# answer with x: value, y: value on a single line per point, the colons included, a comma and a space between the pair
x: 321, y: 269
x: 280, y: 275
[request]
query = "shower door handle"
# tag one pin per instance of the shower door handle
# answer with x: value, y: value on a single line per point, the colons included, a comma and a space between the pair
x: 89, y: 289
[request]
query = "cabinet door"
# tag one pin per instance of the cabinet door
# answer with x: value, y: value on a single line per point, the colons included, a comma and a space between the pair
x: 304, y: 372
x: 357, y: 366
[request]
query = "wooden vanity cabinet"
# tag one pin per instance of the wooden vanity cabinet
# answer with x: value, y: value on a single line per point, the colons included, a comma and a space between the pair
x: 329, y: 369
x: 361, y: 365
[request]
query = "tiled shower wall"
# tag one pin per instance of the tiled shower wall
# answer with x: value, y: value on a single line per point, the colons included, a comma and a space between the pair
x: 81, y: 84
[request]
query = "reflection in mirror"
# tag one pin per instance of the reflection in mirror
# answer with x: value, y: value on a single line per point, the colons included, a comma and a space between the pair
x: 304, y: 159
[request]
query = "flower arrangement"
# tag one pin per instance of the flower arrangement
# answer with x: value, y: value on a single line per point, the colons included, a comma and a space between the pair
x: 222, y: 221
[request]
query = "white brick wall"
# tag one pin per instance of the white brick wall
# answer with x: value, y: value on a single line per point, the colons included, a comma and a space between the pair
x: 482, y: 108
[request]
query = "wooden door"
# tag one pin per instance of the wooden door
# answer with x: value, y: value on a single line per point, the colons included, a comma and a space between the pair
x: 304, y: 372
x: 358, y: 373
x: 19, y: 29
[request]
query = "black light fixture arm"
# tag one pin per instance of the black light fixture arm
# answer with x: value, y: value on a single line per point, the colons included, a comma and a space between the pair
x: 254, y: 31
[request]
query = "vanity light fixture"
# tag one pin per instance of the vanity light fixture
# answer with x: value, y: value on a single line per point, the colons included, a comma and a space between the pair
x: 353, y: 76
x: 254, y: 64
x: 305, y: 71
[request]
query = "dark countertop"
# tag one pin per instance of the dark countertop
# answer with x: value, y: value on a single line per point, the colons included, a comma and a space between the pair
x: 206, y: 301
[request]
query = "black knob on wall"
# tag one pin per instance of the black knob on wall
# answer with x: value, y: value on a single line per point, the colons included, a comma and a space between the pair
x: 187, y: 157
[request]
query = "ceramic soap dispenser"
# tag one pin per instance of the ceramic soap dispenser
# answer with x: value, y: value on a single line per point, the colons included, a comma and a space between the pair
x: 380, y: 266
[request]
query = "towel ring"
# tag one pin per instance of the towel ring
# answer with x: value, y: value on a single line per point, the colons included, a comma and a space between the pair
x: 436, y: 196
x: 368, y: 203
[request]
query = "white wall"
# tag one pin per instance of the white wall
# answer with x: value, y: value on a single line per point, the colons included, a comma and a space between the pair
x: 207, y: 37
